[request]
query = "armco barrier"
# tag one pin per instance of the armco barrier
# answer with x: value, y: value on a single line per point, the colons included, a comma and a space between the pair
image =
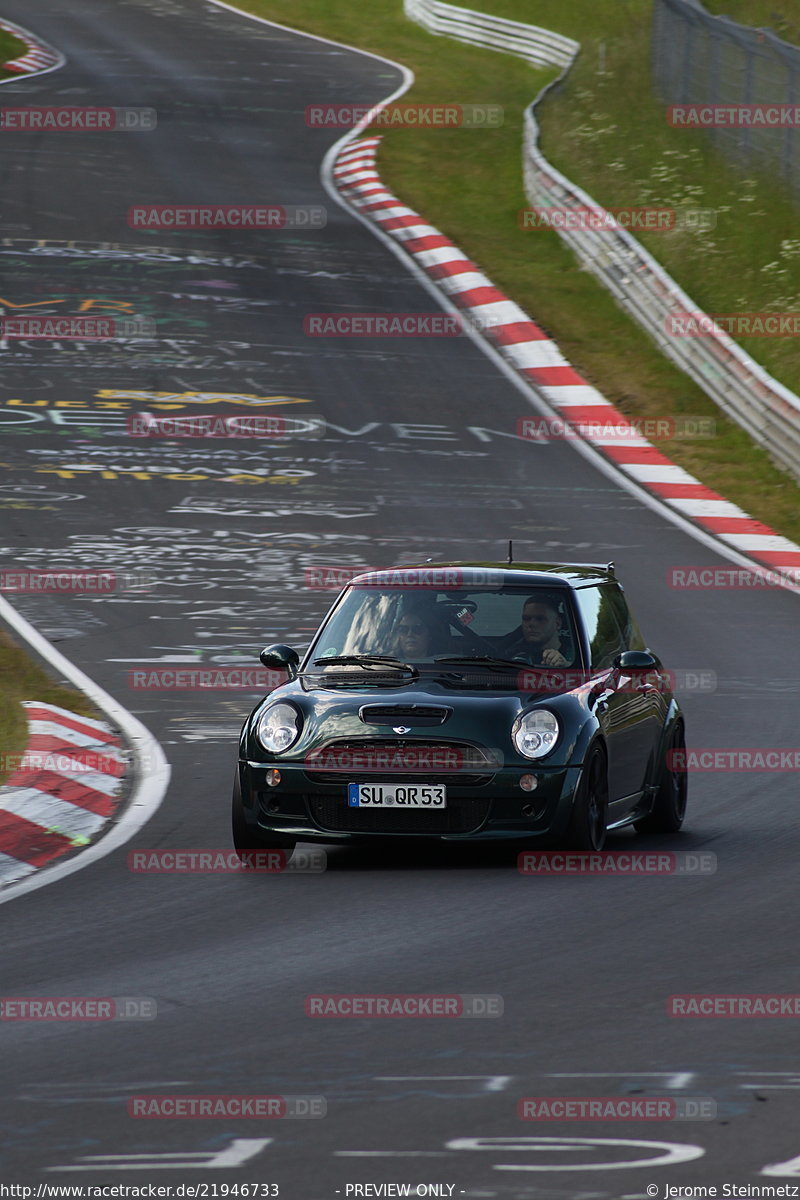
x: 539, y: 46
x: 747, y: 393
x: 537, y: 359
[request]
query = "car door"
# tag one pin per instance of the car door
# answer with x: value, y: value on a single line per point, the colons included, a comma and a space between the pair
x: 655, y: 685
x: 624, y: 706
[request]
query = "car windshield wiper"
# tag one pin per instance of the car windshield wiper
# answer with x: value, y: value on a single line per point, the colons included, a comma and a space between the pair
x: 380, y: 668
x: 484, y: 660
x: 362, y: 660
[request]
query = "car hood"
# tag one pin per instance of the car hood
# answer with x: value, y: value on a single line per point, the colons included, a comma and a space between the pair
x: 425, y: 710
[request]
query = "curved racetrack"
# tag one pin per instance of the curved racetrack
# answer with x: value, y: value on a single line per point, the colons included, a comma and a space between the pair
x: 417, y: 462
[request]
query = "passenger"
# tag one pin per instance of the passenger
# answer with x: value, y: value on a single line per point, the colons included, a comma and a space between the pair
x: 542, y: 629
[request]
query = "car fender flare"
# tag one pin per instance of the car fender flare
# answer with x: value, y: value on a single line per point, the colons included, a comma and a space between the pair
x: 589, y: 734
x: 596, y: 741
x: 674, y: 714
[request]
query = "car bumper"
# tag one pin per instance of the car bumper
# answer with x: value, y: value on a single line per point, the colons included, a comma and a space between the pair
x: 495, y: 810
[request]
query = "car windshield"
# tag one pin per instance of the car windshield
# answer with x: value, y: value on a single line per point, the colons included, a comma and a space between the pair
x: 424, y: 625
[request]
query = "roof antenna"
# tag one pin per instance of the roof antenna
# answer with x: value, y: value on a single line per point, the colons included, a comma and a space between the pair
x: 510, y: 558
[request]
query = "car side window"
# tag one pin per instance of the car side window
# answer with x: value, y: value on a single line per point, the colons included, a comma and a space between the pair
x: 598, y: 607
x: 625, y: 618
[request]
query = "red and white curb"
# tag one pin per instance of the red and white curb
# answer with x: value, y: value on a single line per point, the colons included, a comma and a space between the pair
x: 65, y: 789
x: 38, y: 56
x: 538, y: 359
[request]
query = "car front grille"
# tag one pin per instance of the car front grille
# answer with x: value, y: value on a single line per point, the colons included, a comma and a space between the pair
x: 343, y: 777
x: 416, y: 761
x: 334, y: 814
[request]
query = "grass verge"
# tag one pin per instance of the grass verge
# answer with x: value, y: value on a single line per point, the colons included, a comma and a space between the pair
x: 10, y: 48
x: 21, y: 678
x: 780, y: 16
x: 615, y: 142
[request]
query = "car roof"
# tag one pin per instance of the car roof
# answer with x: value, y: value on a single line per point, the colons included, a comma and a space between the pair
x: 522, y: 574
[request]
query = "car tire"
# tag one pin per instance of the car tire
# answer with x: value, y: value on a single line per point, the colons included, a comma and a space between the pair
x: 669, y: 808
x: 245, y: 838
x: 587, y: 822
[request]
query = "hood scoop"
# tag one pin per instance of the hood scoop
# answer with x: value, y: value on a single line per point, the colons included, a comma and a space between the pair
x: 404, y: 714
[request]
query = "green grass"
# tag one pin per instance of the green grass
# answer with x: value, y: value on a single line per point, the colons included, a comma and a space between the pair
x: 781, y: 17
x: 10, y: 48
x: 615, y: 142
x: 21, y: 678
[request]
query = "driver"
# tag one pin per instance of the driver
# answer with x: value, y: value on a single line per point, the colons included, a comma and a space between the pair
x: 414, y: 636
x: 541, y: 626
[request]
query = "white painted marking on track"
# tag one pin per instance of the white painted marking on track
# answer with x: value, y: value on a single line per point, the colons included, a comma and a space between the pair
x: 148, y: 760
x: 708, y: 508
x: 674, y: 1152
x: 12, y: 869
x: 100, y: 726
x: 540, y: 352
x: 443, y: 254
x: 495, y: 1083
x: 575, y: 395
x: 464, y: 281
x: 672, y: 1079
x: 72, y: 770
x: 74, y: 737
x: 790, y: 1168
x: 653, y: 473
x: 352, y: 176
x: 394, y: 210
x: 411, y: 232
x: 51, y: 813
x: 619, y: 439
x: 241, y: 1150
x: 499, y: 312
x: 758, y: 541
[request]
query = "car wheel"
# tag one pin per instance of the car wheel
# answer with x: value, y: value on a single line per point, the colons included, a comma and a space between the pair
x: 245, y: 838
x: 669, y: 808
x: 587, y: 824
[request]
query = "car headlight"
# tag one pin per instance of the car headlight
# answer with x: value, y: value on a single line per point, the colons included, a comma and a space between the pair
x: 535, y: 733
x: 278, y: 727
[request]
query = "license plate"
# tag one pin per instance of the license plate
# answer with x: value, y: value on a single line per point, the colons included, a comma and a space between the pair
x: 396, y: 795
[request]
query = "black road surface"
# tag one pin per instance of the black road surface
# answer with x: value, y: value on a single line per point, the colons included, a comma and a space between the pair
x: 417, y: 462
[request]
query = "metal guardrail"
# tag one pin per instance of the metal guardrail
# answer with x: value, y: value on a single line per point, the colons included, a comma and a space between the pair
x: 747, y: 393
x: 700, y: 58
x: 538, y: 46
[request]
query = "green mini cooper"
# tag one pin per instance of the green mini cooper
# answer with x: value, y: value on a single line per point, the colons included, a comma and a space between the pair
x: 465, y: 701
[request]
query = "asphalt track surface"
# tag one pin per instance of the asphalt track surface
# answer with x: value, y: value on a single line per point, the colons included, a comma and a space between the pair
x: 584, y: 965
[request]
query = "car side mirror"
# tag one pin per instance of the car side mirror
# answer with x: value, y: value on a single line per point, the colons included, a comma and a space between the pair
x: 637, y: 660
x: 281, y: 658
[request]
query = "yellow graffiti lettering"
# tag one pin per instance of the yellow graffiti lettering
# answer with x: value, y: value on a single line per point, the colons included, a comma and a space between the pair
x: 115, y: 305
x: 163, y: 406
x: 35, y: 304
x: 180, y: 399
